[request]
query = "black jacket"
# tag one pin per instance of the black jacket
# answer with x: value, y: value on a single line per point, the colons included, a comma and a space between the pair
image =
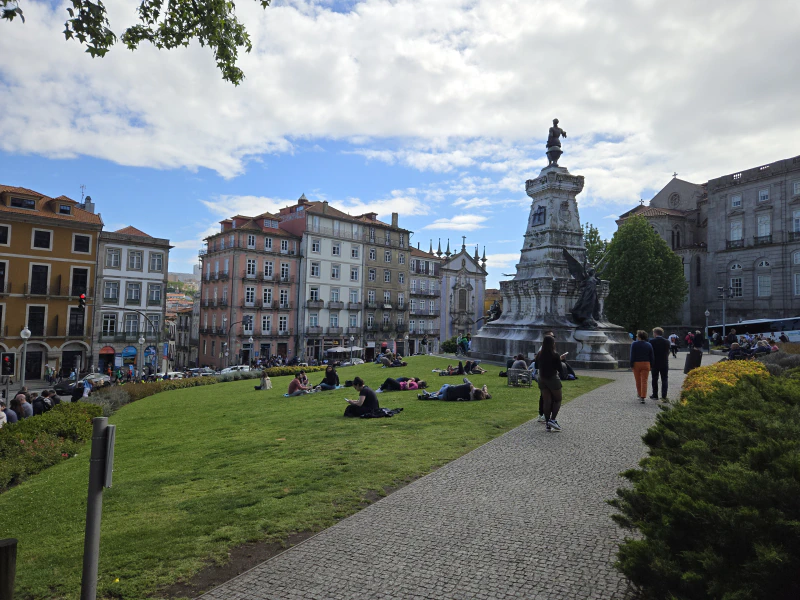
x: 660, y: 352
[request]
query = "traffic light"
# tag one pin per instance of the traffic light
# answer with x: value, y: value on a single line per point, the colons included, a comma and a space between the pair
x: 8, y: 364
x: 82, y: 301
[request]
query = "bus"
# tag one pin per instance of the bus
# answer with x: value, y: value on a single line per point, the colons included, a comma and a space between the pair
x: 767, y: 327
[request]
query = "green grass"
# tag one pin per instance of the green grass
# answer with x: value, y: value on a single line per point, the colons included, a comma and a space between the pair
x: 200, y: 470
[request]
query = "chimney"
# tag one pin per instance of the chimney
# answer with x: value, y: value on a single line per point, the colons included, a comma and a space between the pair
x: 324, y: 207
x: 394, y: 220
x: 88, y: 205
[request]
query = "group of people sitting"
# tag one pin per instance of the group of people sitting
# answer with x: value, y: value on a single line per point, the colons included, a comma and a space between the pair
x: 470, y: 368
x: 388, y: 359
x: 300, y: 384
x: 740, y: 352
x: 27, y: 404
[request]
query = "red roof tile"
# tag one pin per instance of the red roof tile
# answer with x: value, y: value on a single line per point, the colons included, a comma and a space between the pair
x: 130, y: 230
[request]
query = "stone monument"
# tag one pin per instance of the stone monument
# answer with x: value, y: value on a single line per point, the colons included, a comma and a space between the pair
x: 553, y: 288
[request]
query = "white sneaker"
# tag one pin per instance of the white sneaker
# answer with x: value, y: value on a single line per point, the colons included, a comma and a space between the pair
x: 541, y: 419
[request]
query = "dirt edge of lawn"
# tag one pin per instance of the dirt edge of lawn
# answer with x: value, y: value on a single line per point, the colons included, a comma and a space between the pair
x: 246, y: 556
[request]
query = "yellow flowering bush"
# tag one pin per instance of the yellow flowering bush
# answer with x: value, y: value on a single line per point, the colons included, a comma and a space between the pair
x: 704, y: 380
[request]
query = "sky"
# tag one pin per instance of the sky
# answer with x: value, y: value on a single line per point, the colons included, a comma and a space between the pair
x: 435, y: 109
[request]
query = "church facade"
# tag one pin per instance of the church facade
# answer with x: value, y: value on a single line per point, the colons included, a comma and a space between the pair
x: 463, y: 288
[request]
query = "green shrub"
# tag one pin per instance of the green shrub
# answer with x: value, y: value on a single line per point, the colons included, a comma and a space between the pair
x: 449, y: 346
x: 717, y: 501
x: 280, y: 371
x: 777, y: 362
x: 31, y: 445
x: 137, y: 391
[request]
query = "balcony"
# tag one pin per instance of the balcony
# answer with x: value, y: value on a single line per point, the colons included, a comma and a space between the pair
x: 353, y: 330
x: 314, y: 304
x: 36, y: 289
x: 206, y: 303
x: 254, y: 304
x: 202, y: 252
x: 313, y: 330
x: 268, y: 305
x: 285, y: 306
x: 222, y: 303
x: 402, y: 306
x: 372, y: 305
x: 154, y: 302
x: 5, y: 288
x: 335, y: 305
x: 387, y: 327
x: 128, y: 336
x: 207, y: 277
x: 254, y: 276
x: 732, y: 244
x: 220, y: 276
x: 791, y: 236
x: 372, y: 327
x: 762, y: 240
x: 133, y: 301
x: 284, y: 332
x: 354, y: 306
x: 111, y: 300
x: 338, y: 233
x: 287, y: 279
x: 401, y: 327
x: 334, y: 331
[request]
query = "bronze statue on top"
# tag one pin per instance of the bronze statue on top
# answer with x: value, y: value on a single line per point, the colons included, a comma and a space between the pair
x: 554, y: 144
x: 586, y: 311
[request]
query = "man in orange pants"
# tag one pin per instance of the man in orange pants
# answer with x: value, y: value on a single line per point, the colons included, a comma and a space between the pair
x: 642, y: 359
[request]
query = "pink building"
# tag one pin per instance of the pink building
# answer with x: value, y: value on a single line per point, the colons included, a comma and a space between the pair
x: 249, y: 292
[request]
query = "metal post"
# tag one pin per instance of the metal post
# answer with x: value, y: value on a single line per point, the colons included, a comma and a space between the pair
x: 708, y: 341
x: 723, y: 314
x: 94, y: 509
x: 8, y: 568
x: 22, y: 366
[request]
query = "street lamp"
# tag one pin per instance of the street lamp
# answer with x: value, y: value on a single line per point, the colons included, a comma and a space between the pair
x: 250, y: 355
x: 708, y: 341
x: 352, y: 339
x: 24, y: 334
x: 405, y: 348
x: 141, y: 357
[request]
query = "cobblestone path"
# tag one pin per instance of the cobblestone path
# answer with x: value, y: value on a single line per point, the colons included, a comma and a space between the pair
x: 523, y: 516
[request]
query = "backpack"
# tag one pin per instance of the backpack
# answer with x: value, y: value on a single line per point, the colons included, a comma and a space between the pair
x: 48, y: 404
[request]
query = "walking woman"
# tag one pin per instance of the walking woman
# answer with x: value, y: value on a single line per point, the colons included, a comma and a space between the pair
x: 549, y: 363
x: 642, y: 359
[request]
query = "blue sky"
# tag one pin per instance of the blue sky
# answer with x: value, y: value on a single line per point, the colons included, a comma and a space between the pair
x: 436, y: 109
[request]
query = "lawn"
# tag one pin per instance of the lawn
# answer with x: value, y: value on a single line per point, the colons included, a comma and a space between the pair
x: 201, y: 470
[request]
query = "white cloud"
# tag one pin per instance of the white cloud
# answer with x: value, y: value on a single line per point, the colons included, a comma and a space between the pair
x: 612, y: 216
x: 435, y: 85
x: 458, y: 223
x: 509, y: 259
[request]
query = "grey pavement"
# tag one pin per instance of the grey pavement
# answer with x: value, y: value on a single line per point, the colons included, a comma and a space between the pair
x: 523, y: 516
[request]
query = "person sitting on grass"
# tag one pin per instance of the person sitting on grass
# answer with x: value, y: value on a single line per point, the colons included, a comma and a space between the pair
x: 304, y: 379
x: 366, y: 403
x: 296, y: 387
x: 266, y: 382
x: 471, y: 368
x: 331, y: 379
x: 762, y: 347
x: 401, y: 384
x: 452, y: 393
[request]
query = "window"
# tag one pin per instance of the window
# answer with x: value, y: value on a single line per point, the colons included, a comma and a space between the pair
x: 336, y: 249
x: 231, y: 240
x: 81, y: 243
x: 371, y: 296
x: 764, y: 222
x: 131, y: 323
x: 283, y: 324
x: 5, y: 234
x: 353, y: 320
x: 268, y: 268
x: 796, y: 221
x: 214, y: 347
x: 387, y: 276
x: 796, y: 188
x: 413, y: 286
x: 411, y: 326
x: 266, y: 297
x: 222, y: 243
x: 251, y: 267
x: 698, y: 278
x: 422, y: 326
x: 250, y: 295
x: 764, y: 264
x: 412, y: 305
x: 315, y: 246
x: 371, y: 275
x: 736, y: 267
x: 354, y: 293
x: 402, y: 240
x: 284, y: 271
x: 315, y: 269
x: 353, y: 273
x: 266, y: 324
x: 372, y: 234
x: 284, y: 297
x: 251, y: 241
x: 40, y: 279
x: 80, y: 281
x: 247, y: 324
x: 736, y: 201
x: 284, y: 246
x: 796, y: 258
x: 372, y: 253
x: 268, y: 244
x: 205, y: 347
x: 388, y: 238
x: 401, y: 299
x: 387, y: 297
x: 355, y: 251
x: 387, y: 256
x: 26, y: 203
x: 313, y: 320
x: 386, y: 318
x: 764, y: 285
x: 224, y: 295
x: 736, y: 287
x: 42, y: 240
x: 109, y: 324
x: 370, y: 320
x: 135, y: 260
x: 111, y: 291
x: 763, y: 195
x: 736, y: 231
x: 335, y: 270
x: 334, y: 294
x: 313, y: 294
x: 153, y: 323
x: 64, y: 209
x: 156, y: 262
x: 334, y: 320
x: 797, y: 284
x: 133, y: 292
x: 432, y: 309
x: 401, y: 278
x: 401, y: 258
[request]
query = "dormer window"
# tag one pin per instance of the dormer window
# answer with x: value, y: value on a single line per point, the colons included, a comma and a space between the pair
x: 64, y: 209
x: 26, y: 203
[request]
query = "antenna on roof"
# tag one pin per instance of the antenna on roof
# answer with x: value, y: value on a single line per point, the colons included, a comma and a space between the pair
x: 83, y: 189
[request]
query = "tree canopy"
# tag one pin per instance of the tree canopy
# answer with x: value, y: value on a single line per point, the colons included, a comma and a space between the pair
x: 595, y: 245
x: 165, y: 24
x: 646, y: 282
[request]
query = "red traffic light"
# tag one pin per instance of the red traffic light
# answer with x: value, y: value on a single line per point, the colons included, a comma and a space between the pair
x: 82, y: 296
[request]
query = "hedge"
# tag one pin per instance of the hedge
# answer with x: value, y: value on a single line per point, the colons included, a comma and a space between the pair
x: 716, y: 503
x: 449, y: 346
x: 31, y: 445
x: 704, y: 380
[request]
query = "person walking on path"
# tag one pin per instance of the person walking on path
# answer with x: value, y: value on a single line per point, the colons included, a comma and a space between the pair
x: 661, y: 350
x: 642, y: 360
x: 549, y: 364
x: 673, y: 345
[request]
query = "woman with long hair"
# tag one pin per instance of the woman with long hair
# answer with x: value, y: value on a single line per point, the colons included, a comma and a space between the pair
x: 549, y: 362
x: 642, y: 359
x: 331, y: 379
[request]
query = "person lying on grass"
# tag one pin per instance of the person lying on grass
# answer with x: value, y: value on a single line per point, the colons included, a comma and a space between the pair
x: 367, y: 401
x: 451, y: 370
x: 471, y: 368
x: 296, y: 387
x: 466, y: 391
x: 401, y: 384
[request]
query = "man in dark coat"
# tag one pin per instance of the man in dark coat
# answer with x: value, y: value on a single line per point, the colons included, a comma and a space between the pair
x: 661, y: 362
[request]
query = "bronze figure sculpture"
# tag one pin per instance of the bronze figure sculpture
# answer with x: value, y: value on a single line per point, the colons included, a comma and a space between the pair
x: 554, y: 144
x: 586, y: 311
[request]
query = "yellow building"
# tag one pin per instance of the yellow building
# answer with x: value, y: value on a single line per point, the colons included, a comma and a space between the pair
x: 48, y: 251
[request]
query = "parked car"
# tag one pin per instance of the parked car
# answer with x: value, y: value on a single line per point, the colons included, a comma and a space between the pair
x: 170, y: 374
x: 234, y: 369
x: 202, y: 372
x: 97, y: 379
